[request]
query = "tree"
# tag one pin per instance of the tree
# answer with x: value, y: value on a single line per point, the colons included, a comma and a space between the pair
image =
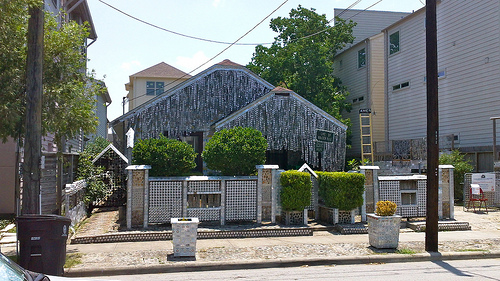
x: 236, y: 151
x: 68, y: 96
x: 462, y: 166
x: 301, y: 58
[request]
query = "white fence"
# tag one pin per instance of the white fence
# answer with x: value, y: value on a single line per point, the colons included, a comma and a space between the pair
x: 72, y: 201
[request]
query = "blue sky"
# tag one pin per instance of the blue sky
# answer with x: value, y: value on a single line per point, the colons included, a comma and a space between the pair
x: 125, y: 46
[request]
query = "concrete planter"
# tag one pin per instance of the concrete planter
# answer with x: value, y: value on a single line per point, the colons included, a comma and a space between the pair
x: 184, y: 233
x: 383, y: 231
x: 294, y: 217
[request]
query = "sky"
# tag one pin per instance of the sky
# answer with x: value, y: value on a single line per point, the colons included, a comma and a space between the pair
x: 126, y: 46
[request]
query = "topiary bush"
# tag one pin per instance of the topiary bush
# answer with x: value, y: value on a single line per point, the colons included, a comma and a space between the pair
x: 167, y: 157
x: 341, y: 190
x: 236, y: 151
x: 295, y: 190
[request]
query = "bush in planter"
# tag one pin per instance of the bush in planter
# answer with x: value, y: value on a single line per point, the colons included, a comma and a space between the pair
x: 236, y: 151
x: 167, y: 157
x: 295, y: 190
x: 385, y: 208
x: 341, y: 190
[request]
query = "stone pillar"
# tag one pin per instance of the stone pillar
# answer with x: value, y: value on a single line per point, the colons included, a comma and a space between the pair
x: 446, y: 192
x: 137, y: 195
x: 265, y: 192
x: 371, y: 194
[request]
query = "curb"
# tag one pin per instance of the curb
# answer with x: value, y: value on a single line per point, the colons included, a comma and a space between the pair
x: 292, y: 262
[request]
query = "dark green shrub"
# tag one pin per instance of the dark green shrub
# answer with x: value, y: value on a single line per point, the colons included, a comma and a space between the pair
x: 167, y: 157
x: 341, y: 190
x: 462, y: 167
x: 295, y: 190
x: 92, y: 174
x: 236, y: 151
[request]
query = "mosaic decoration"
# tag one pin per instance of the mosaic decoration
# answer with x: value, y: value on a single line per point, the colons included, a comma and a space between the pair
x: 165, y: 201
x: 204, y: 214
x: 184, y: 237
x: 383, y: 232
x: 346, y: 217
x: 288, y: 123
x: 293, y: 217
x: 241, y: 200
x: 203, y: 186
x: 199, y: 104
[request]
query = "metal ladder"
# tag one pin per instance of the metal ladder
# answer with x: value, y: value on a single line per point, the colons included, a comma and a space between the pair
x: 365, y: 126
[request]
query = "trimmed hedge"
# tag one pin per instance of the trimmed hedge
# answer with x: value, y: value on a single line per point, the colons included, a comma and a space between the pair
x: 167, y: 157
x: 341, y: 190
x: 295, y: 190
x: 235, y: 151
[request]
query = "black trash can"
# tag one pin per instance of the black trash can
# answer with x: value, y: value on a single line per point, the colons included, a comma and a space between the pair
x: 42, y: 242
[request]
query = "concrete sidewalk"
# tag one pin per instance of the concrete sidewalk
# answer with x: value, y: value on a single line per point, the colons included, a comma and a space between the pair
x: 323, y: 248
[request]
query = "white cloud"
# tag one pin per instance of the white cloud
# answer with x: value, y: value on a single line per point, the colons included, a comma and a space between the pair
x: 131, y: 65
x: 188, y: 64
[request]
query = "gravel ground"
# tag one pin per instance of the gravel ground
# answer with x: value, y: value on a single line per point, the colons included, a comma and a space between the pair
x: 105, y: 221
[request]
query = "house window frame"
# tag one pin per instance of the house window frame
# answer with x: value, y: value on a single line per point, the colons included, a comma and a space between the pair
x: 401, y: 86
x: 392, y: 51
x: 155, y: 88
x: 362, y: 62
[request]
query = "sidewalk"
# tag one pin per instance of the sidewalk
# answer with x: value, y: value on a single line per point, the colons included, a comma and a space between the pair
x: 323, y: 248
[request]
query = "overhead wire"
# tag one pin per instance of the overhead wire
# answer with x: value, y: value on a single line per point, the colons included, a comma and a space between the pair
x: 235, y: 42
x: 225, y: 49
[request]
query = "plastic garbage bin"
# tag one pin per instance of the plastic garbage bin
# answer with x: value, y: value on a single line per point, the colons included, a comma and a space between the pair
x: 42, y: 242
x: 184, y: 233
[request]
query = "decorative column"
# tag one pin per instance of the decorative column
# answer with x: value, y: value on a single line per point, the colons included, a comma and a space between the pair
x: 265, y: 193
x: 446, y: 192
x: 137, y: 195
x: 371, y: 194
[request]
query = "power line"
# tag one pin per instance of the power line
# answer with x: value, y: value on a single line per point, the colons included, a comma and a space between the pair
x: 225, y: 49
x: 178, y: 33
x: 236, y: 42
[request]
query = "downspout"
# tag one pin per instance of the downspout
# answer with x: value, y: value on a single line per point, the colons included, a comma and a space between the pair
x: 386, y: 89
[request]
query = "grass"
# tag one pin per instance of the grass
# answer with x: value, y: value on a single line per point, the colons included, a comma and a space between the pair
x: 73, y: 259
x: 473, y: 250
x: 4, y: 223
x: 406, y: 251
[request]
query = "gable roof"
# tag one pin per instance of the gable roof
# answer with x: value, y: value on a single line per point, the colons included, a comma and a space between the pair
x: 224, y: 65
x: 279, y: 91
x: 112, y: 147
x: 161, y: 70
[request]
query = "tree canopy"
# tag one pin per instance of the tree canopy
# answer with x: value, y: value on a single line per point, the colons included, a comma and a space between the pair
x: 301, y: 57
x: 69, y: 94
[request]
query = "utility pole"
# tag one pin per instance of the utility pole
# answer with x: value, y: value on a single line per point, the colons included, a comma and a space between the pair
x: 33, y: 125
x: 431, y: 228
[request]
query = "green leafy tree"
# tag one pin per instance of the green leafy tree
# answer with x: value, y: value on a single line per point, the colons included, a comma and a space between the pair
x: 301, y: 58
x: 68, y: 101
x: 167, y: 157
x: 462, y: 166
x: 96, y: 187
x: 235, y: 151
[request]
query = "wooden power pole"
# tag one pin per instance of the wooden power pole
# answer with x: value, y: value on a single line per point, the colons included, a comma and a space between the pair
x: 33, y: 125
x: 431, y: 228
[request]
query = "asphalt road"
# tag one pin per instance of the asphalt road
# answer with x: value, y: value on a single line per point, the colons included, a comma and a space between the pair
x: 485, y: 269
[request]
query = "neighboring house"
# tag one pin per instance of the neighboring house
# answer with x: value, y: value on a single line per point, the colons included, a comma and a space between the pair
x: 151, y: 82
x: 228, y: 94
x: 77, y: 11
x: 101, y: 112
x: 360, y: 67
x: 469, y: 71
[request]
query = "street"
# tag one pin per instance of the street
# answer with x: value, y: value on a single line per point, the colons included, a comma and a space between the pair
x: 484, y: 269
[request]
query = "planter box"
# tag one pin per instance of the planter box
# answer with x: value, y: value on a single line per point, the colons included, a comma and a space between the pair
x: 294, y: 217
x: 336, y: 216
x: 383, y: 231
x: 184, y: 233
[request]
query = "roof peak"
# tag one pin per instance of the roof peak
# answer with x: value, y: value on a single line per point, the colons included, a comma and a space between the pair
x: 162, y: 69
x: 228, y: 62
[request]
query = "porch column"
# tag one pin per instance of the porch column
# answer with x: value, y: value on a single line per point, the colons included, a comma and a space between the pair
x: 137, y: 195
x: 265, y: 193
x: 371, y: 194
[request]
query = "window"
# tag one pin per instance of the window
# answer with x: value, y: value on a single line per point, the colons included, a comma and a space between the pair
x: 401, y: 86
x: 394, y: 43
x: 360, y: 99
x: 362, y: 58
x: 154, y: 88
